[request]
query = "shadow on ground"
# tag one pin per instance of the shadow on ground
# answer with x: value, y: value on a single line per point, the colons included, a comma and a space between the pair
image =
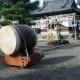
x: 40, y: 71
x: 51, y: 61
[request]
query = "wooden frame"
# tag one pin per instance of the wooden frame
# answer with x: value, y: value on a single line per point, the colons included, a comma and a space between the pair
x: 21, y: 61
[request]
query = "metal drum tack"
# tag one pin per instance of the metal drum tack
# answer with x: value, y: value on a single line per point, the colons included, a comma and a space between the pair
x: 13, y: 39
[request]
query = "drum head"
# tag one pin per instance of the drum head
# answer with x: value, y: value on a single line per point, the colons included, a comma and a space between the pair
x: 9, y: 40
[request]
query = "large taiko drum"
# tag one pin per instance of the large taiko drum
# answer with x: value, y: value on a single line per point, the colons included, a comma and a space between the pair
x: 16, y: 38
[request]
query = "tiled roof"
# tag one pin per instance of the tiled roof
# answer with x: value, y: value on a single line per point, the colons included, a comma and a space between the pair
x: 52, y: 6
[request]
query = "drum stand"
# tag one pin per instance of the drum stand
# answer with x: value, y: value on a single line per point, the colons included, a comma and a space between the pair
x: 21, y: 61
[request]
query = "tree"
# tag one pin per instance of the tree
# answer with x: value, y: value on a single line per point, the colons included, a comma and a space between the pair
x: 17, y: 10
x: 78, y: 2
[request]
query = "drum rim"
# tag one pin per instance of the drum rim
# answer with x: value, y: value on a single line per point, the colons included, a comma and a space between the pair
x: 17, y: 38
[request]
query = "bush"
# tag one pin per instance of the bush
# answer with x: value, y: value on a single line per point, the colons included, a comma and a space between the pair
x: 4, y: 23
x: 27, y: 21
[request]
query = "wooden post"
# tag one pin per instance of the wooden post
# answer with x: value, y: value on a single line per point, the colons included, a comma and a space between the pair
x: 75, y: 30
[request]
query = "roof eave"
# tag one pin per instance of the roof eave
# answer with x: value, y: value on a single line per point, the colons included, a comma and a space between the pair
x: 55, y: 13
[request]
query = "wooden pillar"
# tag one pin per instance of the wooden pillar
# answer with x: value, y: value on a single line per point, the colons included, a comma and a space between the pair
x: 75, y: 30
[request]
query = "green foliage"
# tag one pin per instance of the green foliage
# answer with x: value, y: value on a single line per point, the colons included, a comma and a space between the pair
x: 32, y: 6
x: 16, y: 1
x: 17, y: 10
x: 27, y: 20
x: 5, y: 22
x: 78, y: 2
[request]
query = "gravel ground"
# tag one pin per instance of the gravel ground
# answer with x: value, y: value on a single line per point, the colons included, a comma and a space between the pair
x: 62, y: 63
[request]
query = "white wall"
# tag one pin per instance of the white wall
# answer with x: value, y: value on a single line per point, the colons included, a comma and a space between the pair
x: 69, y: 23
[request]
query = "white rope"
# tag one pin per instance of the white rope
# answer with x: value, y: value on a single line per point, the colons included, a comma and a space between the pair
x: 24, y: 41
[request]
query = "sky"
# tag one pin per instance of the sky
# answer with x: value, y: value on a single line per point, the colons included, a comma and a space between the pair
x: 41, y: 1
